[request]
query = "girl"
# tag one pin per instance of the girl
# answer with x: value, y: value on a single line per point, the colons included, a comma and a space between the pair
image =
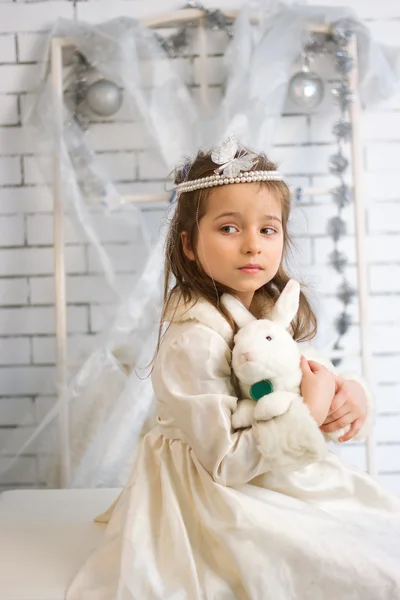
x: 205, y: 515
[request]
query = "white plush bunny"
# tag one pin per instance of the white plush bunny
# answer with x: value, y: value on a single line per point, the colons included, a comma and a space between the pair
x: 266, y: 360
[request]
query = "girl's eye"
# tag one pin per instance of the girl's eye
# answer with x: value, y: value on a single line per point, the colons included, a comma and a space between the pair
x: 228, y: 228
x: 268, y: 230
x: 269, y: 338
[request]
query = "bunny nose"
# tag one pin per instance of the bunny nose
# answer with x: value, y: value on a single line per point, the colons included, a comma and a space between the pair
x: 246, y: 356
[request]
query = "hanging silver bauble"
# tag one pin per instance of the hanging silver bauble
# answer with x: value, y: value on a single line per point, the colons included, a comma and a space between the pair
x: 342, y: 130
x: 345, y: 293
x: 338, y: 260
x: 342, y: 195
x: 343, y: 323
x: 343, y: 95
x: 342, y: 31
x: 336, y: 228
x: 338, y: 163
x: 306, y: 89
x: 104, y: 98
x: 343, y: 62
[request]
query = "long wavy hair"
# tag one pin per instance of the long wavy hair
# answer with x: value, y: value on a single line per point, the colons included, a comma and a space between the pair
x: 191, y: 282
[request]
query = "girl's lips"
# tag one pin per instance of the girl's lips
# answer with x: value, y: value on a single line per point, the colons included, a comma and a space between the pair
x: 251, y: 269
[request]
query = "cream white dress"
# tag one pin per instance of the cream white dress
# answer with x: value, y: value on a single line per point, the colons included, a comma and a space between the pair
x: 205, y: 516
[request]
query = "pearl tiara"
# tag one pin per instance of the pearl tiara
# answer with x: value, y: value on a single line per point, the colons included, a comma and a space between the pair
x: 232, y: 169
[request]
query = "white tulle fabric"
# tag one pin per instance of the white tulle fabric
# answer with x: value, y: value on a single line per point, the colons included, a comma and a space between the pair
x: 205, y: 515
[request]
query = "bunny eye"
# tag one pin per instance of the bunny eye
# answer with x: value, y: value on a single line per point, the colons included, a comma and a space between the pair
x: 269, y: 338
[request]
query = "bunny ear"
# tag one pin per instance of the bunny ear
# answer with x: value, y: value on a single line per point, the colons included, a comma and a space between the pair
x: 239, y: 312
x: 287, y: 304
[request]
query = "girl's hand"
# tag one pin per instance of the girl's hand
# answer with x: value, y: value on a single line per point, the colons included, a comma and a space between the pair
x: 318, y: 388
x: 349, y: 407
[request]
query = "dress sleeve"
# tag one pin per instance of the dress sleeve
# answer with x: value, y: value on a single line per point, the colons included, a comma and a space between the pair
x: 311, y: 353
x: 192, y: 382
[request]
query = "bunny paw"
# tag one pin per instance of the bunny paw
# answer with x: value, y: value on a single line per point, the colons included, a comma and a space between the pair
x: 273, y: 405
x: 244, y: 414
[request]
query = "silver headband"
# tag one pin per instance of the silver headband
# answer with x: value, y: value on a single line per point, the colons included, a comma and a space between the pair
x: 232, y: 169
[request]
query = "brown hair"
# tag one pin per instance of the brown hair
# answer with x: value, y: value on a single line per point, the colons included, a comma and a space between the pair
x: 191, y: 281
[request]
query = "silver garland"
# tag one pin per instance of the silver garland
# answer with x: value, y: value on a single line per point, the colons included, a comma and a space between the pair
x: 338, y: 164
x: 214, y: 18
x: 77, y: 92
x: 177, y: 44
x: 336, y: 45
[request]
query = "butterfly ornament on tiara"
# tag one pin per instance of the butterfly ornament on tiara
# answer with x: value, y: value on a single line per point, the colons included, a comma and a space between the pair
x: 224, y: 155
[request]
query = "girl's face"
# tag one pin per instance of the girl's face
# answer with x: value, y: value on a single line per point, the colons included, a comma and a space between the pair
x: 240, y: 238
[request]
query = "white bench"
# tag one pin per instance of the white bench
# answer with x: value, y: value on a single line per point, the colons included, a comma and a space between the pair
x: 45, y: 535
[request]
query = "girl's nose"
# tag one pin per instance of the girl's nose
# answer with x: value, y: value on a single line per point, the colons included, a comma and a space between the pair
x: 251, y: 244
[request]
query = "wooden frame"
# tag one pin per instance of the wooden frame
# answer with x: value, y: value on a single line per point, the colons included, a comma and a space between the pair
x: 173, y: 19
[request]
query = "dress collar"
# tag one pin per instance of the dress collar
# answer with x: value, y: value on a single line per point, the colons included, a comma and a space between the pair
x: 207, y: 314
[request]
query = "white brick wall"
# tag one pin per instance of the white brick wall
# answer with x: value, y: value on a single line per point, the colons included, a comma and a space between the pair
x: 27, y: 342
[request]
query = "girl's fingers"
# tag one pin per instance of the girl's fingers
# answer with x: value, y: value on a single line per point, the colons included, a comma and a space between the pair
x: 304, y: 365
x: 314, y: 366
x: 338, y: 383
x: 338, y: 424
x: 337, y: 414
x: 338, y: 402
x: 352, y: 432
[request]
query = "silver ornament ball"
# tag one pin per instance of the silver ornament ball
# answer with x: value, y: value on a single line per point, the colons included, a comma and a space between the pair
x: 306, y: 89
x: 104, y: 98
